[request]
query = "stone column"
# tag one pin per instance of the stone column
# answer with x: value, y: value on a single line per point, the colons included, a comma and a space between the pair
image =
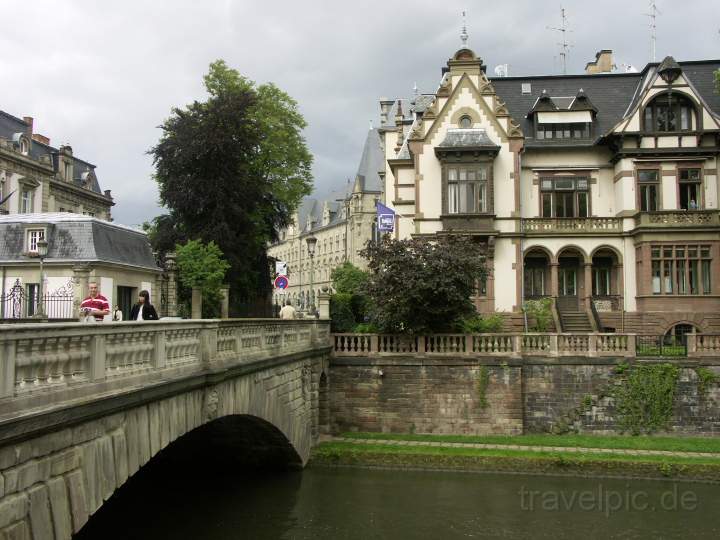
x: 587, y: 284
x: 196, y: 309
x: 554, y: 279
x: 225, y: 302
x: 81, y: 279
x: 324, y: 303
x: 620, y: 280
x: 171, y: 285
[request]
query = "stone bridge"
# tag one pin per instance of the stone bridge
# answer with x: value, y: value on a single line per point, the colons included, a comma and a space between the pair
x: 83, y: 407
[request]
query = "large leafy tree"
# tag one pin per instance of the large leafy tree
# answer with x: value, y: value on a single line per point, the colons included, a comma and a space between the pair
x: 202, y: 265
x: 232, y: 170
x: 420, y: 285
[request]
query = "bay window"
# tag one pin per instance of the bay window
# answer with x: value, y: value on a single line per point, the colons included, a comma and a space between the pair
x: 467, y: 191
x: 681, y: 269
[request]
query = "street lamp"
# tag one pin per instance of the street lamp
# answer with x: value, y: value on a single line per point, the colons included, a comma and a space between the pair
x: 311, y: 242
x: 42, y: 250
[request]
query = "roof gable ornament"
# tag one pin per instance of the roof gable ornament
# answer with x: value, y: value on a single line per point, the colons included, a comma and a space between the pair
x: 463, y: 33
x: 669, y: 69
x: 543, y: 104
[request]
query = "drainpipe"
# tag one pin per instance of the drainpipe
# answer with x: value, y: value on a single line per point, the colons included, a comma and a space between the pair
x: 2, y: 295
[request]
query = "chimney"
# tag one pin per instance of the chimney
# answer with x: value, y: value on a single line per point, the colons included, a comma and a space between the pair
x: 29, y: 121
x: 385, y: 105
x: 108, y: 194
x: 603, y: 63
x: 41, y: 139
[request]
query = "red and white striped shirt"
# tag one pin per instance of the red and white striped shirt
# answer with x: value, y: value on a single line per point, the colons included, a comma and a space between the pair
x: 99, y: 303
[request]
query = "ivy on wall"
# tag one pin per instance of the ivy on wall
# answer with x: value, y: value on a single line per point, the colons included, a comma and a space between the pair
x: 483, y: 379
x: 644, y: 397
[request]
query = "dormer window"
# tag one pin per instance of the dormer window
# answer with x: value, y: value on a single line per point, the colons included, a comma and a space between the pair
x: 33, y: 237
x: 668, y: 112
x: 24, y: 146
x: 465, y: 122
x: 67, y: 171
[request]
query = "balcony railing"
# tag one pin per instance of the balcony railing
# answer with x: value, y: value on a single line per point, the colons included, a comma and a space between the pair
x: 678, y: 218
x: 582, y: 225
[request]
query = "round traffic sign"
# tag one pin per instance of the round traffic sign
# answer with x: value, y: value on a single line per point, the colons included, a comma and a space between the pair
x: 282, y: 282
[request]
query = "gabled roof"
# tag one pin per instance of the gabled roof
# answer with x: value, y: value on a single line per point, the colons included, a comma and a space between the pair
x: 76, y: 238
x: 11, y: 125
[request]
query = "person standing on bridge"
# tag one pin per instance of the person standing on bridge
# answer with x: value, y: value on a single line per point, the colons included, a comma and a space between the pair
x: 288, y: 311
x: 95, y: 306
x: 143, y: 310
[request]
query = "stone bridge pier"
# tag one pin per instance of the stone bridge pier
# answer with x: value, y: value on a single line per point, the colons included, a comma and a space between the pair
x: 83, y: 407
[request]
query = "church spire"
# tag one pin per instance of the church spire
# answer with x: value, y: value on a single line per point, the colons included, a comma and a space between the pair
x: 463, y: 33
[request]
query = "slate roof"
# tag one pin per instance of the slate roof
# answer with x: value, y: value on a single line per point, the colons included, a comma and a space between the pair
x: 11, y: 125
x: 612, y: 94
x: 467, y: 138
x: 76, y: 238
x: 372, y: 163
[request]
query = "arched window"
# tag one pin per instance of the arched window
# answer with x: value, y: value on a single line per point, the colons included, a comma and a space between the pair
x: 669, y: 112
x: 465, y: 122
x: 676, y: 334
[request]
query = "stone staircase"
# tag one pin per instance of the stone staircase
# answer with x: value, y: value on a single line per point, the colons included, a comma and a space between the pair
x: 575, y: 322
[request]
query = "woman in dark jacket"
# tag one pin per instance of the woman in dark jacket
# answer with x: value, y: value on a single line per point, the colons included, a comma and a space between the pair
x: 143, y: 310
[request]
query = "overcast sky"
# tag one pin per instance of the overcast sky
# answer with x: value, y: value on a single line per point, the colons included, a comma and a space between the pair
x: 103, y: 75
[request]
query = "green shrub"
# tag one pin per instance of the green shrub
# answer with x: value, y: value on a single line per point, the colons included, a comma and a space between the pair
x: 481, y: 324
x: 541, y: 312
x: 341, y: 314
x: 706, y: 377
x: 366, y: 328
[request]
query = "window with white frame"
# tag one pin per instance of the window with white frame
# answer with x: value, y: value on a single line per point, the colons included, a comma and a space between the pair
x: 26, y: 201
x: 467, y: 189
x: 33, y: 237
x: 564, y: 196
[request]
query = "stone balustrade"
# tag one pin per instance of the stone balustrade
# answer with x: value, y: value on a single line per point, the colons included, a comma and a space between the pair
x: 562, y: 225
x: 508, y: 345
x: 38, y: 359
x: 678, y: 218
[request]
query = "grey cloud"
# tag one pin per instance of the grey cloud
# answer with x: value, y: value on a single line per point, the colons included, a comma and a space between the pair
x: 102, y: 76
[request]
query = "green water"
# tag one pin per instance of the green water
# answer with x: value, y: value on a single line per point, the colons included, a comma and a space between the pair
x: 324, y: 503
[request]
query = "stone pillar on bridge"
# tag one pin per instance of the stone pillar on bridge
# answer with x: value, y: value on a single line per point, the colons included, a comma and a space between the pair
x: 170, y: 285
x: 324, y: 303
x: 196, y: 309
x: 225, y: 302
x: 81, y: 279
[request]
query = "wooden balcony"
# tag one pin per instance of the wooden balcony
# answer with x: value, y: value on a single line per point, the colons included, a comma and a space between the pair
x: 678, y: 218
x: 590, y: 225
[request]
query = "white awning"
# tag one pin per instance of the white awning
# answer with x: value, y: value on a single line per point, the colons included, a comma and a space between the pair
x: 564, y: 117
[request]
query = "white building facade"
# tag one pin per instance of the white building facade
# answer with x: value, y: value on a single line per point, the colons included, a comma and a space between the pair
x: 598, y: 190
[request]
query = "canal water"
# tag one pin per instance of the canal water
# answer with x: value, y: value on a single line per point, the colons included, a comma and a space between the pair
x: 346, y: 503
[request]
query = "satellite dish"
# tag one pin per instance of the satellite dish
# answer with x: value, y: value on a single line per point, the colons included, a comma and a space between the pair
x: 501, y: 70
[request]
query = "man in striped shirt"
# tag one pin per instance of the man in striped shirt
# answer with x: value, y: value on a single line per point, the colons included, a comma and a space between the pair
x: 95, y: 305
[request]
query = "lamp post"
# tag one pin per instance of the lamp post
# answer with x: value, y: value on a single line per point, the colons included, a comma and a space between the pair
x: 42, y: 250
x: 311, y: 242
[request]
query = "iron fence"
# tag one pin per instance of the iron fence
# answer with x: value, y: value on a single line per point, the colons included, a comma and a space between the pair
x: 665, y: 345
x: 20, y: 302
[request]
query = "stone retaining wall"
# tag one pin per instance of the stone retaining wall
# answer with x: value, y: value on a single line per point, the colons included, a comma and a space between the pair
x: 413, y: 394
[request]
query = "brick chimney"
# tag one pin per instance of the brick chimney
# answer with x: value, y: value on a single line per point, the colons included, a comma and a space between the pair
x: 603, y: 63
x: 41, y: 138
x: 29, y: 121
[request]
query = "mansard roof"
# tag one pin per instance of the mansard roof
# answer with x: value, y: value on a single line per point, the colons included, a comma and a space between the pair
x: 76, y: 238
x: 612, y: 95
x: 11, y: 125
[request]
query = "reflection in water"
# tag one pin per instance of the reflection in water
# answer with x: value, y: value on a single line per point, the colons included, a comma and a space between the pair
x: 324, y: 503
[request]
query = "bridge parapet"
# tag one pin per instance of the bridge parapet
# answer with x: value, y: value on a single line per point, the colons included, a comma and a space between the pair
x: 42, y: 362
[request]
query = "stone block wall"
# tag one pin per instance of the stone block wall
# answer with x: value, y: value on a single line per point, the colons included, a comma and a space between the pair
x: 429, y: 397
x: 539, y: 395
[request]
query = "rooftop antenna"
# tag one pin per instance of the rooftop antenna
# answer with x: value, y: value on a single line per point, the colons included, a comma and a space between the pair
x: 463, y: 33
x: 564, y: 45
x: 654, y: 12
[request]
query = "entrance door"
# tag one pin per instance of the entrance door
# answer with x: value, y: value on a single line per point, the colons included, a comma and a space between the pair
x: 125, y: 300
x: 567, y: 289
